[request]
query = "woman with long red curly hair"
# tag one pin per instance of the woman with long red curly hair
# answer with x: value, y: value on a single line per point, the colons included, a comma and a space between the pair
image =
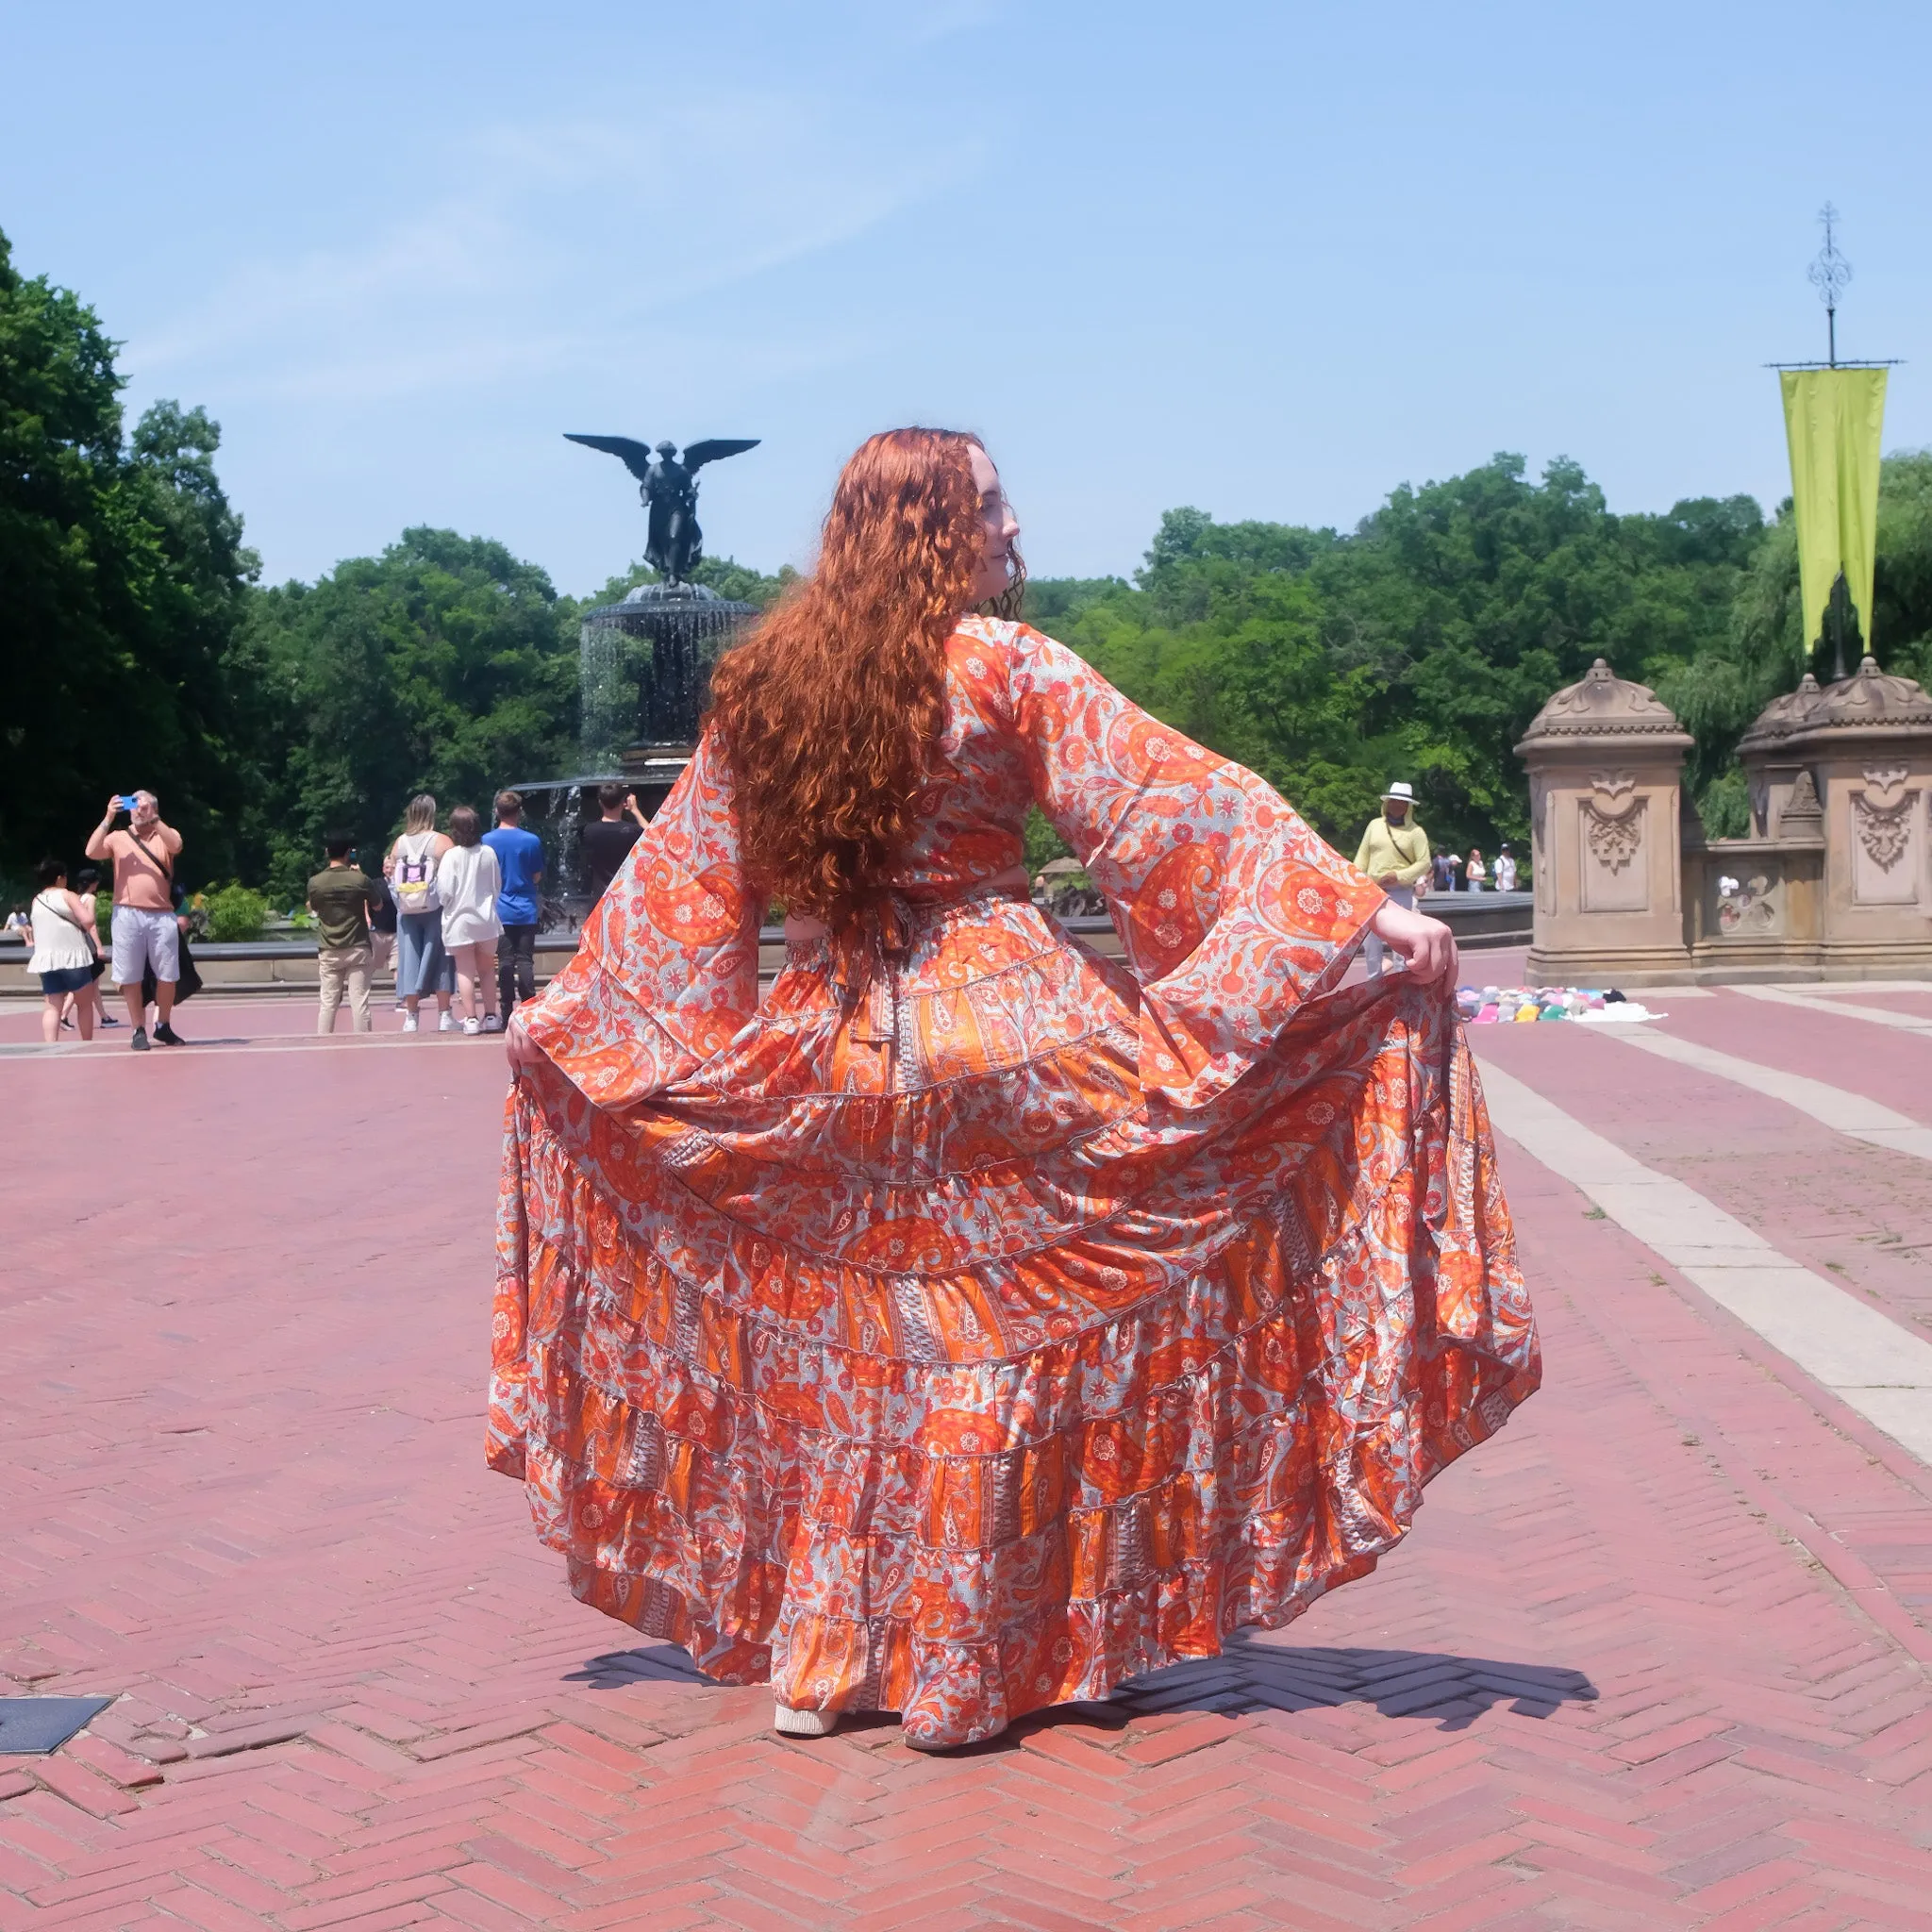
x: 971, y: 1322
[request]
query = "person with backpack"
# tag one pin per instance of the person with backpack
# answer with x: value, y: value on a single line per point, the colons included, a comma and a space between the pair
x: 64, y: 951
x: 144, y: 934
x: 422, y: 965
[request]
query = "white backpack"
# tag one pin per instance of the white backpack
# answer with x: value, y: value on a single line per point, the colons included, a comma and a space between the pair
x: 414, y: 879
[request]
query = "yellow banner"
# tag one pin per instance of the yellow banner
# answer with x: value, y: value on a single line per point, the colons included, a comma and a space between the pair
x: 1833, y: 418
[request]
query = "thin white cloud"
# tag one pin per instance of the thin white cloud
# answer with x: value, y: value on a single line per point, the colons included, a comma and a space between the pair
x: 549, y: 245
x: 902, y: 26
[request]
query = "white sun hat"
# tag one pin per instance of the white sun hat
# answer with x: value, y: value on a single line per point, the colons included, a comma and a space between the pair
x: 1402, y: 789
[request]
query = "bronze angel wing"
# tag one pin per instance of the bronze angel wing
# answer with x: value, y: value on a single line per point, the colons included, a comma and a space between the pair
x: 637, y: 456
x: 698, y: 454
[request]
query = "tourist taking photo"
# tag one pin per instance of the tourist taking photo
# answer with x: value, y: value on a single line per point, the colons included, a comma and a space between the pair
x: 342, y: 897
x: 146, y: 935
x: 606, y: 840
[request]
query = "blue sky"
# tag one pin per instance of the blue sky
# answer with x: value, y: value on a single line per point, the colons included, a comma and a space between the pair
x: 1271, y: 260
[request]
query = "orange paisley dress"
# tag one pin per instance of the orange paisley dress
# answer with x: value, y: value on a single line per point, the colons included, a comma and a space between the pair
x: 971, y: 1323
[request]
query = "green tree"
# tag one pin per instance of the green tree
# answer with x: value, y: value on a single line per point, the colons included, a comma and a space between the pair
x: 1419, y: 645
x: 125, y: 580
x: 1902, y: 591
x: 444, y: 665
x: 1473, y: 599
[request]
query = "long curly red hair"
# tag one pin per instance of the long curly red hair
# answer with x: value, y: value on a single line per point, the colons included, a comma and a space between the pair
x: 827, y: 715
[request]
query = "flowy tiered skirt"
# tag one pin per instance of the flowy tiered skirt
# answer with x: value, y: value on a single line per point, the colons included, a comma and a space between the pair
x: 908, y: 1356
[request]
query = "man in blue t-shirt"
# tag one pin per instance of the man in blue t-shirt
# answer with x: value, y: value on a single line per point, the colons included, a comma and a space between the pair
x: 520, y: 861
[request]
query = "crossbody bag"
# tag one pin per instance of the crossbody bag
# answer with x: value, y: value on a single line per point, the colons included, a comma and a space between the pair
x: 164, y: 865
x: 93, y: 949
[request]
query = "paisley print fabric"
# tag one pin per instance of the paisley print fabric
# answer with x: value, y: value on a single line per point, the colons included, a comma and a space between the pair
x: 972, y: 1323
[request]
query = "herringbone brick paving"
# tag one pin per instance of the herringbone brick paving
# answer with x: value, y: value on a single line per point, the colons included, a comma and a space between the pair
x: 1655, y: 1657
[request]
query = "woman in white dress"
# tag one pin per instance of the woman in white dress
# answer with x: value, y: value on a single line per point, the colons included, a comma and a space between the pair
x: 467, y: 882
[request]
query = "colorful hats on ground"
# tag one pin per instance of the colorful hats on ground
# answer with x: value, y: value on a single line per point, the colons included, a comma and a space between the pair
x: 1518, y: 1005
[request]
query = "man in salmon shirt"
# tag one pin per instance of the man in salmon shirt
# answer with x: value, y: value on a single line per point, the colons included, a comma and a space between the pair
x: 144, y: 931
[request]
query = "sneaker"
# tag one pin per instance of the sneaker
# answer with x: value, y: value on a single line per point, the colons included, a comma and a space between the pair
x: 473, y: 1026
x: 167, y: 1036
x: 410, y: 1022
x: 492, y: 1023
x: 446, y: 1023
x: 804, y: 1723
x: 139, y: 1041
x: 67, y: 1026
x: 108, y: 1020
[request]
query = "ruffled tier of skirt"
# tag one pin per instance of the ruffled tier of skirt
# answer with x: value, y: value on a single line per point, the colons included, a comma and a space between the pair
x: 968, y: 1539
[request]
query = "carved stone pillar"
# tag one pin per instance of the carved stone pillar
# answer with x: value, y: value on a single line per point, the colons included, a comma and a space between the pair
x: 1848, y: 767
x: 1604, y: 759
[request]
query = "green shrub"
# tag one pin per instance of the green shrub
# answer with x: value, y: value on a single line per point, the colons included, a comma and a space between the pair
x: 235, y: 913
x: 104, y: 914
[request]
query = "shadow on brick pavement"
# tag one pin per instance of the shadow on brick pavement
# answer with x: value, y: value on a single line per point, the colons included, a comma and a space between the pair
x: 1254, y: 1676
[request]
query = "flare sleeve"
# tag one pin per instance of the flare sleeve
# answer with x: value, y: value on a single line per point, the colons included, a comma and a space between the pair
x: 667, y: 970
x: 1233, y: 913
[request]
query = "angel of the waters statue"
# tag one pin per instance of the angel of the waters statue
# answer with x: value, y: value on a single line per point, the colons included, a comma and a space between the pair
x: 668, y: 485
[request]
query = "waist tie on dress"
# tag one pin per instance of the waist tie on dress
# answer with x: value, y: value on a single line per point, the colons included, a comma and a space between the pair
x: 867, y: 963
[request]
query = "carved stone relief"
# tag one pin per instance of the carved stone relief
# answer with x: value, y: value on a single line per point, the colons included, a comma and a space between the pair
x: 1884, y: 830
x: 1885, y: 817
x: 1750, y: 909
x: 1613, y: 841
x: 1611, y: 818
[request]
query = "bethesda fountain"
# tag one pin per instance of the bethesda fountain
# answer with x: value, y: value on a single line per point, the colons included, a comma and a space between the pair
x: 645, y: 663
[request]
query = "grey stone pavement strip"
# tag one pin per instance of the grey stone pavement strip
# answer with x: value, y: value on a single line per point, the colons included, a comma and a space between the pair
x: 1865, y: 1358
x: 1818, y: 1003
x: 1846, y: 1112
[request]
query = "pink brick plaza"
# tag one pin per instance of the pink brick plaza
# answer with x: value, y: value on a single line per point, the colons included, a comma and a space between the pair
x: 1658, y: 1657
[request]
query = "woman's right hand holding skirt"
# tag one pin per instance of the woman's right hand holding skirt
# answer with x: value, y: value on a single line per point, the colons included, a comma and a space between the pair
x: 1425, y: 944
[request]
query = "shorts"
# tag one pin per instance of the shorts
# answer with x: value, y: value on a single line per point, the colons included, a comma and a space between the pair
x: 66, y: 979
x: 144, y: 939
x: 422, y: 965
